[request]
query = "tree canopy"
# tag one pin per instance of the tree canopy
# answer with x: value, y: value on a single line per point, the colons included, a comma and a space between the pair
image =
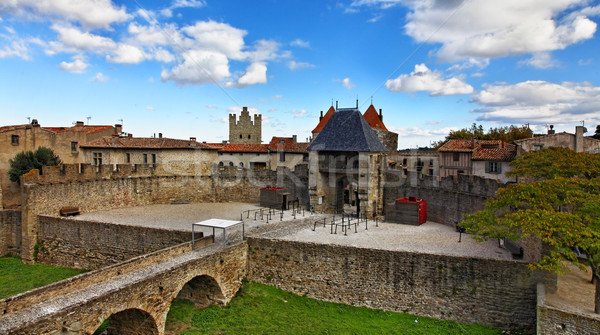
x: 507, y: 134
x: 25, y: 161
x: 560, y: 207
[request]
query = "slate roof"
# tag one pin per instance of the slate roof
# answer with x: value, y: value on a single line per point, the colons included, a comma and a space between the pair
x: 109, y: 142
x: 324, y: 120
x: 372, y: 118
x: 287, y: 144
x: 347, y: 130
x: 482, y: 150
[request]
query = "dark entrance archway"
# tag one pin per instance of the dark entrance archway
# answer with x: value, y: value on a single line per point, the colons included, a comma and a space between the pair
x: 130, y: 322
x: 203, y: 291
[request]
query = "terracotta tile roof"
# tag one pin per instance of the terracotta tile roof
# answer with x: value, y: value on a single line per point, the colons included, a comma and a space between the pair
x: 239, y: 147
x: 324, y: 120
x: 483, y: 150
x: 108, y: 142
x: 77, y: 129
x: 373, y: 119
x: 215, y: 145
x: 11, y: 128
x: 287, y: 144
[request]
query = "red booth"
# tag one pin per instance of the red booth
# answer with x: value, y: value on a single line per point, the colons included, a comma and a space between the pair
x: 411, y: 210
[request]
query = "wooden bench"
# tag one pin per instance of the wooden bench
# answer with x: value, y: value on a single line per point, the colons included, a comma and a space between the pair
x: 69, y: 211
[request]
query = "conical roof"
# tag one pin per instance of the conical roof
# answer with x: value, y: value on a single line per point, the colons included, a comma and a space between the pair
x: 324, y: 120
x: 347, y: 130
x: 373, y: 119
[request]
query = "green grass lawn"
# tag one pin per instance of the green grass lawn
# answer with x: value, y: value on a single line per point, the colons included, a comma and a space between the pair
x: 261, y: 309
x: 16, y: 277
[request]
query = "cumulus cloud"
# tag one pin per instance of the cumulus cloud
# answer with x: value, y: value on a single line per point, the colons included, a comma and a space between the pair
x: 198, y: 67
x: 168, y: 12
x: 89, y: 13
x: 15, y: 48
x: 256, y: 73
x: 346, y: 82
x: 99, y: 77
x: 300, y: 43
x: 539, y: 102
x: 298, y: 114
x: 423, y: 79
x: 489, y: 28
x: 217, y: 37
x: 540, y: 60
x: 76, y: 66
x: 293, y: 65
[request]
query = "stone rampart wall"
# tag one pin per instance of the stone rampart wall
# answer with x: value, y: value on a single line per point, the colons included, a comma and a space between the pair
x: 447, y: 198
x: 10, y: 231
x: 92, y: 245
x: 551, y: 320
x: 493, y: 292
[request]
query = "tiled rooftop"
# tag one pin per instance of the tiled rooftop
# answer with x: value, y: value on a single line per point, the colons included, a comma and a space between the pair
x: 373, y: 119
x: 146, y: 143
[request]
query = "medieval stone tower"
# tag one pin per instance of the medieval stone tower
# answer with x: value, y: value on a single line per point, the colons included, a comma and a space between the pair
x: 245, y: 131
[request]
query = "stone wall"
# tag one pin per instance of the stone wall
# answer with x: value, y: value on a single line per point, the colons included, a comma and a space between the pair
x: 493, y: 292
x: 447, y: 198
x: 92, y: 245
x: 10, y: 231
x: 551, y: 320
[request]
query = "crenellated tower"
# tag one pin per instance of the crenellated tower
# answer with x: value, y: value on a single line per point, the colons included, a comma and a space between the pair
x: 245, y: 131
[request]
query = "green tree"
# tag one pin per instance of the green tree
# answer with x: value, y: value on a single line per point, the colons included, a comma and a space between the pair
x: 561, y: 208
x: 508, y: 134
x: 597, y: 133
x: 25, y: 161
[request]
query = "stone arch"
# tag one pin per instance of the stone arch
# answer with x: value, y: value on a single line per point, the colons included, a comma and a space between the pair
x: 131, y: 321
x: 203, y: 291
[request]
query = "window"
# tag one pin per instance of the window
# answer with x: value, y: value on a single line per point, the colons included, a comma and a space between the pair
x: 14, y: 139
x: 153, y: 158
x: 249, y: 136
x: 97, y: 158
x: 230, y: 163
x: 431, y: 172
x: 404, y: 161
x: 145, y: 158
x: 73, y: 146
x: 220, y: 164
x: 493, y: 167
x: 305, y: 157
x: 455, y: 156
x: 282, y: 156
x: 240, y: 135
x: 431, y: 162
x: 128, y: 158
x: 241, y: 164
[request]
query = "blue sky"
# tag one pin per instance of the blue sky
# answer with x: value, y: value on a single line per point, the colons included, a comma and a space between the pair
x: 180, y: 67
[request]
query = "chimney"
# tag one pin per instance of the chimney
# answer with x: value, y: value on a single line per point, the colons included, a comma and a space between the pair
x: 294, y: 138
x: 551, y: 131
x: 160, y: 138
x: 78, y: 123
x: 129, y: 135
x: 336, y: 105
x: 193, y: 139
x: 35, y: 123
x: 118, y: 128
x: 579, y: 130
x: 321, y: 117
x: 115, y: 139
x: 356, y: 103
x: 380, y: 115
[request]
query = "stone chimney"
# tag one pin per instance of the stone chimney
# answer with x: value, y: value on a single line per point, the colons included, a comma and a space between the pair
x: 551, y: 131
x: 160, y: 138
x: 115, y: 139
x: 193, y: 139
x: 78, y: 123
x: 380, y: 115
x: 294, y: 138
x: 118, y: 128
x: 579, y: 130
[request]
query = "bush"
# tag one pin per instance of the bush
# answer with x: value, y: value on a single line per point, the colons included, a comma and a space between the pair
x: 26, y: 161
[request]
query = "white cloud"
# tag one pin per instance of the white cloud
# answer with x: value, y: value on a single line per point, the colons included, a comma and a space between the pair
x: 211, y: 106
x: 168, y: 12
x: 298, y: 114
x: 73, y: 39
x: 76, y: 66
x: 539, y: 102
x: 490, y: 28
x: 277, y: 97
x: 16, y: 48
x: 423, y: 79
x: 266, y: 50
x: 217, y: 37
x: 89, y: 13
x: 347, y: 83
x: 100, y: 78
x: 540, y: 60
x: 198, y: 67
x: 300, y: 43
x: 293, y: 65
x: 126, y: 54
x: 256, y: 73
x: 149, y: 108
x: 584, y: 62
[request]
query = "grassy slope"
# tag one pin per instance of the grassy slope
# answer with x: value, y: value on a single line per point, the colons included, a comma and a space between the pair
x: 261, y: 309
x: 16, y: 277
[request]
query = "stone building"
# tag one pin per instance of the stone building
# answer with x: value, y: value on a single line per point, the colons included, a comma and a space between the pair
x: 423, y: 161
x: 245, y: 131
x: 173, y: 155
x: 347, y: 165
x: 64, y: 141
x: 485, y: 158
x: 280, y: 152
x: 576, y: 142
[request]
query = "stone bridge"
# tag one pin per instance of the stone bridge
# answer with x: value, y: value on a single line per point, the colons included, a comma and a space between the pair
x: 135, y: 296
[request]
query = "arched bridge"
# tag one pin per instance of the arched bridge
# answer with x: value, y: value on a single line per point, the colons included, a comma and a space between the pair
x: 135, y: 296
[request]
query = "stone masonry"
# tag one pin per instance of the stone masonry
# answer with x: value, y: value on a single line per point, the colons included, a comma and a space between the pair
x: 245, y: 131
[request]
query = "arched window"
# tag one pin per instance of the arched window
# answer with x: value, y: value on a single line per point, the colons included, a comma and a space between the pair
x: 242, y: 164
x: 230, y: 163
x: 221, y: 164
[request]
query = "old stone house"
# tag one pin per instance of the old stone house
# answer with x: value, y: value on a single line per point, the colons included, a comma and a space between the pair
x: 347, y: 165
x: 423, y: 161
x: 281, y: 151
x: 485, y: 158
x: 64, y: 141
x: 174, y: 155
x: 576, y: 142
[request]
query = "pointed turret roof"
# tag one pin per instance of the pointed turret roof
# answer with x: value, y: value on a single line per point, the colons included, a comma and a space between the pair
x: 347, y: 130
x: 324, y: 120
x: 373, y: 118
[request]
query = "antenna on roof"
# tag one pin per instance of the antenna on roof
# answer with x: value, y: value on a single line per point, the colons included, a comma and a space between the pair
x: 88, y: 120
x: 357, y: 102
x: 28, y: 119
x: 121, y: 121
x: 371, y: 100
